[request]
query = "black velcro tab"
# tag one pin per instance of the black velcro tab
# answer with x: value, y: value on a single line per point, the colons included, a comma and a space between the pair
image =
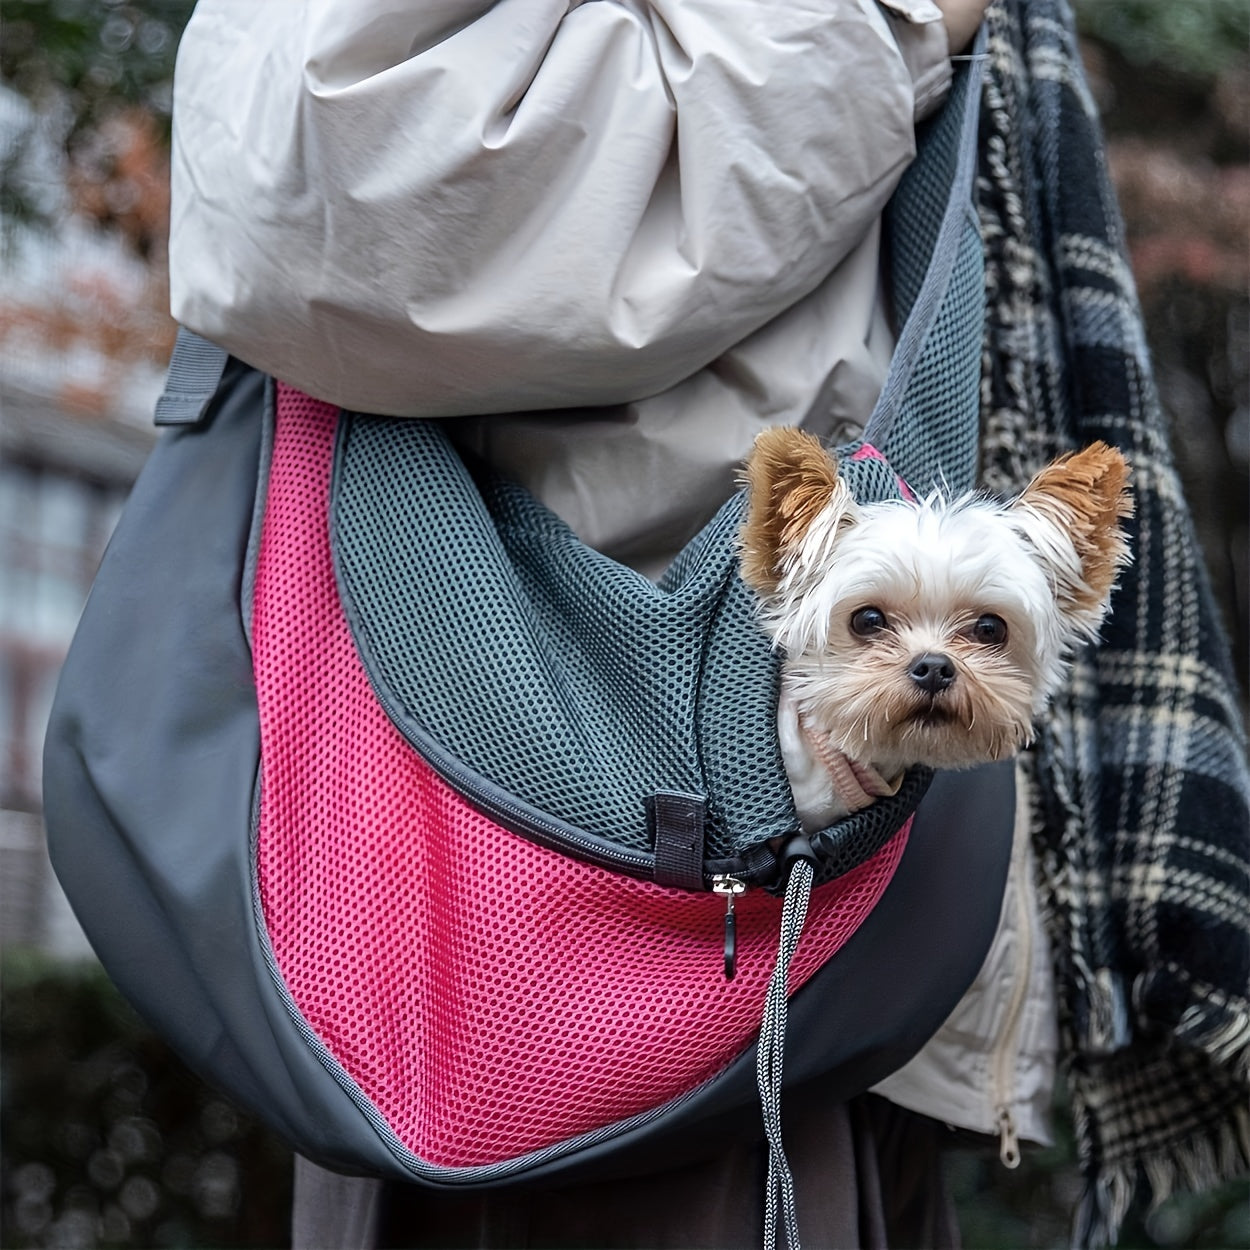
x: 194, y: 376
x: 677, y: 822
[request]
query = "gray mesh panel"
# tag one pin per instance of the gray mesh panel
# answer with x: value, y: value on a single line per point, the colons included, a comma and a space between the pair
x: 934, y: 439
x: 552, y: 671
x: 926, y: 420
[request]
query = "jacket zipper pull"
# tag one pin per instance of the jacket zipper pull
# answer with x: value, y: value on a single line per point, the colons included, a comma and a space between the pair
x: 1008, y: 1141
x: 730, y: 888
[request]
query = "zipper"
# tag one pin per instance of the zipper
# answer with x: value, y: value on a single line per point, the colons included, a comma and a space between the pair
x: 529, y: 824
x: 1007, y: 1049
x: 524, y: 823
x: 1008, y: 1140
x: 495, y: 805
x: 730, y: 888
x: 493, y: 802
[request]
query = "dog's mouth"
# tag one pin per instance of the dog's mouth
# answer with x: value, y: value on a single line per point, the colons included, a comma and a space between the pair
x: 931, y: 714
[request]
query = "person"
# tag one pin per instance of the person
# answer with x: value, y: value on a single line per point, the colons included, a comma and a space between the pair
x: 610, y: 242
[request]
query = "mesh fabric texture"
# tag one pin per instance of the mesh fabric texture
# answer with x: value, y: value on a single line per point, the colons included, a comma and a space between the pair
x: 489, y: 997
x: 600, y: 688
x: 927, y: 420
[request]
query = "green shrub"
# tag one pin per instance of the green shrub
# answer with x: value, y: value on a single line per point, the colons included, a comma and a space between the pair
x: 107, y: 1140
x: 1194, y: 37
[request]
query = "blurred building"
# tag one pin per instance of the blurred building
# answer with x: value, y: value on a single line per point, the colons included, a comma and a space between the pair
x: 77, y: 382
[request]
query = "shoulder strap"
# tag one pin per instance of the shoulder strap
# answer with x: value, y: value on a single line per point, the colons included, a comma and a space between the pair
x: 927, y: 418
x: 195, y: 373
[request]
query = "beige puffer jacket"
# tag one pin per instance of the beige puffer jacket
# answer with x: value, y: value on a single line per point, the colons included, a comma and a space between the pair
x: 633, y: 232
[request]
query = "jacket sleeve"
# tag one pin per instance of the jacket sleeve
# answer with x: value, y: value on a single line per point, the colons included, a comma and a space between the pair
x: 466, y: 207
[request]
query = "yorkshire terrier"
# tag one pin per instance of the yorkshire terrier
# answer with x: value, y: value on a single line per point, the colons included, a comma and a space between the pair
x: 920, y: 632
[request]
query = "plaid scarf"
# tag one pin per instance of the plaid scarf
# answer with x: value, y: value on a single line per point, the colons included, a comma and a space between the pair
x: 1141, y: 818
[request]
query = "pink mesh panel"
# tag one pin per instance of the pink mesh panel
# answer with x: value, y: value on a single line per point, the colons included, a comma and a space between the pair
x: 869, y: 452
x: 490, y: 997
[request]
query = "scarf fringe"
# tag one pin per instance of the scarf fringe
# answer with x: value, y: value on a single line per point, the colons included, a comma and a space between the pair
x: 1199, y: 1163
x: 1103, y: 1208
x: 1224, y: 1035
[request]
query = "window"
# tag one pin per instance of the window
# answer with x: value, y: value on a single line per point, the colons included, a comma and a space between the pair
x: 53, y: 528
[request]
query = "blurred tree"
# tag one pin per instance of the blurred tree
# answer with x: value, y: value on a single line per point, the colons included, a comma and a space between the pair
x: 85, y: 96
x: 1199, y: 38
x: 99, y: 79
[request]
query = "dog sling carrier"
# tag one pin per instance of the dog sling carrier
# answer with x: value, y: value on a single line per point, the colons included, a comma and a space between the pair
x: 446, y: 844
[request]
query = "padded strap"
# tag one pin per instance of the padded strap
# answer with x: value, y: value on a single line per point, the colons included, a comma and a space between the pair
x: 195, y: 373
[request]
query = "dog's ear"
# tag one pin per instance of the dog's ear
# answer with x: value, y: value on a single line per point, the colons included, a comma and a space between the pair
x: 791, y: 480
x: 1073, y: 508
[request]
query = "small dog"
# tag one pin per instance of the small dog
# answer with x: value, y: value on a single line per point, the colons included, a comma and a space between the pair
x: 928, y: 632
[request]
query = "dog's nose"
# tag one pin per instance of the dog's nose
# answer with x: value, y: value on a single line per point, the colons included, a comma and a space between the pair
x: 932, y: 673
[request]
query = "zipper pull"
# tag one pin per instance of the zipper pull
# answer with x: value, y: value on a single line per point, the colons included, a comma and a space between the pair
x: 730, y: 888
x: 1008, y: 1141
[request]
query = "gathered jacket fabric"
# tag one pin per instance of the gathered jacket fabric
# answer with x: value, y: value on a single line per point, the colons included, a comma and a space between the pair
x: 634, y: 233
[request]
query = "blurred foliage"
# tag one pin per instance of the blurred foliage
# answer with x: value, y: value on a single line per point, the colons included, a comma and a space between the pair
x: 1030, y: 1207
x: 79, y: 64
x: 91, y: 58
x: 107, y: 1140
x: 1196, y: 37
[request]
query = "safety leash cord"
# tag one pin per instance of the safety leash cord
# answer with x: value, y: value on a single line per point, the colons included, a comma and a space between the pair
x: 770, y: 1058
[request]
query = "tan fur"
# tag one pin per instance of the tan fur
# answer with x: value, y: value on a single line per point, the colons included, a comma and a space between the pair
x: 987, y: 711
x: 1086, y: 494
x: 791, y: 478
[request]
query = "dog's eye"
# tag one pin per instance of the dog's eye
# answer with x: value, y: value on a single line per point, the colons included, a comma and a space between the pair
x: 990, y: 630
x: 867, y: 621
